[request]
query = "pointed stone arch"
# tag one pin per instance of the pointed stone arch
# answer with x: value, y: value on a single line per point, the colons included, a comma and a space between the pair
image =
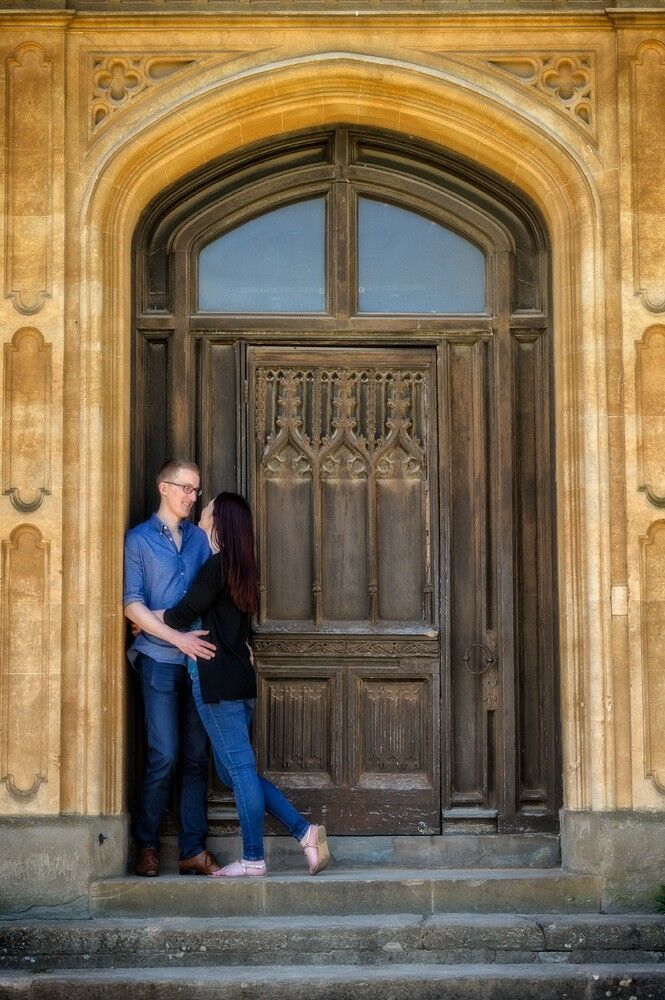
x: 132, y: 165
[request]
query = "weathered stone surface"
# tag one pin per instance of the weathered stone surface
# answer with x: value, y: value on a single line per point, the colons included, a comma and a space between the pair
x: 467, y: 982
x: 627, y: 848
x: 383, y: 891
x: 511, y: 892
x: 594, y: 931
x: 49, y: 861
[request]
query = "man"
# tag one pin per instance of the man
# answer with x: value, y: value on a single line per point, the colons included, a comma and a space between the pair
x: 162, y: 557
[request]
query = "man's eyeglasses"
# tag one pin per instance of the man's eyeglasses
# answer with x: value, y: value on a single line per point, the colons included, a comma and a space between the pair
x: 189, y: 491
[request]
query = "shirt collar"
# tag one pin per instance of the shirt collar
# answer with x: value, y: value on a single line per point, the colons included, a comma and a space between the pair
x: 159, y: 525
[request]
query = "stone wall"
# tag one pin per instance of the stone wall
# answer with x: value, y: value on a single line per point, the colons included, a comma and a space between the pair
x: 102, y: 111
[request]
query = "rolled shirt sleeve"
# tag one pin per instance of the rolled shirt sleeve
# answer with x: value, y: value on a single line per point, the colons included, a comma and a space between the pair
x: 134, y: 586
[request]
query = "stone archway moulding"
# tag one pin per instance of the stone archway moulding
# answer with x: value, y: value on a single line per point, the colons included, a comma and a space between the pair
x: 173, y: 140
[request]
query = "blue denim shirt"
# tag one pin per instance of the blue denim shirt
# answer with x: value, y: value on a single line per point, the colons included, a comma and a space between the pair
x: 158, y: 575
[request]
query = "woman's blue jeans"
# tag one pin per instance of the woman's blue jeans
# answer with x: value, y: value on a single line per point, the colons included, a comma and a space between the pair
x: 227, y: 724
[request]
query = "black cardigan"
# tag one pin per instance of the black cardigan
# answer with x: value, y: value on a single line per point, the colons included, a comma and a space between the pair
x: 230, y: 675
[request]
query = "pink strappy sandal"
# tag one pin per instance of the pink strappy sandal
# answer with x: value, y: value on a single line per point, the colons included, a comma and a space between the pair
x: 241, y: 869
x: 316, y: 849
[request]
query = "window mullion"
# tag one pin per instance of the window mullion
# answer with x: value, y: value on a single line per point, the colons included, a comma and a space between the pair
x: 340, y: 250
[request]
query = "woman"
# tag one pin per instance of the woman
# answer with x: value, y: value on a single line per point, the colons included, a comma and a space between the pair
x: 224, y: 595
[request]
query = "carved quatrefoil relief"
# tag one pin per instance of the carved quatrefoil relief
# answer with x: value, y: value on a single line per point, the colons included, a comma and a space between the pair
x: 568, y: 79
x: 117, y: 79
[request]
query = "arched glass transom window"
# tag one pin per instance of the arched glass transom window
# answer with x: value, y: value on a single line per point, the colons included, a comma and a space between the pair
x: 272, y: 264
x: 410, y: 264
x: 407, y: 263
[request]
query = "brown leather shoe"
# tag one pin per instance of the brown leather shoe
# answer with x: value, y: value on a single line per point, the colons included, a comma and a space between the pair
x: 203, y: 863
x: 147, y: 863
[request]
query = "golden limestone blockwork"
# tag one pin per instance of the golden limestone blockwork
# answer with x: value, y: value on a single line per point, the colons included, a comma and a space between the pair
x: 652, y: 580
x: 648, y: 101
x: 26, y: 442
x: 650, y: 414
x: 29, y: 177
x: 24, y: 616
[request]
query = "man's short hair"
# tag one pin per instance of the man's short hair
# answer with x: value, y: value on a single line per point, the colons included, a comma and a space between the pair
x: 172, y: 466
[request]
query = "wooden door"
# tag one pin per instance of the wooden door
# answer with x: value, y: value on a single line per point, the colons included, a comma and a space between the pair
x: 398, y: 453
x: 343, y: 458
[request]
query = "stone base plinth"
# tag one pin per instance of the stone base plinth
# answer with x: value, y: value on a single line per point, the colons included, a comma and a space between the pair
x: 627, y: 848
x: 50, y: 861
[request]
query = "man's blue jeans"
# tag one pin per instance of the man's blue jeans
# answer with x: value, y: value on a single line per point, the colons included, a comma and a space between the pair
x: 173, y: 729
x: 228, y: 726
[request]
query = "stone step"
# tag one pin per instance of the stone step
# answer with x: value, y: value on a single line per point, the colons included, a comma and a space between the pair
x: 343, y: 892
x: 326, y: 982
x: 454, y: 850
x: 442, y: 939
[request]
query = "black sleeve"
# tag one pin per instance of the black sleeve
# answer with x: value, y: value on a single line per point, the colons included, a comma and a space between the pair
x: 202, y: 594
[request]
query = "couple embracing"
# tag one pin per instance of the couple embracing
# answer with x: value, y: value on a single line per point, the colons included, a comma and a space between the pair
x: 199, y: 683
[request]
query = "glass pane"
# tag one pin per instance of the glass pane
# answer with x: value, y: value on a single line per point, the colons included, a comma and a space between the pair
x: 409, y: 264
x: 272, y: 264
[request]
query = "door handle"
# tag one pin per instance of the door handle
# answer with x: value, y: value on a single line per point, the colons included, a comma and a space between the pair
x: 487, y: 659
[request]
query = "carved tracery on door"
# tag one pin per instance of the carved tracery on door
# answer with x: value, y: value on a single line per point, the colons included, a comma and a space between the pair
x: 393, y: 432
x: 342, y: 469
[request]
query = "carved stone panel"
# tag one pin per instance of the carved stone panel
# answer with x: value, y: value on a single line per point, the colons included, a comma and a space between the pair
x: 24, y: 665
x: 647, y: 103
x: 29, y: 167
x: 650, y: 414
x: 567, y: 79
x: 26, y: 448
x: 113, y: 80
x: 652, y: 573
x: 117, y: 79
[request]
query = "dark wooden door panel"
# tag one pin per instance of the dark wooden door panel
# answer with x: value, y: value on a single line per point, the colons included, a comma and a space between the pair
x: 348, y: 728
x: 537, y: 777
x: 472, y: 679
x: 343, y: 455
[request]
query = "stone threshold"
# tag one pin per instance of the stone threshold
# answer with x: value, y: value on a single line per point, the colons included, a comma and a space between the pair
x: 451, y: 850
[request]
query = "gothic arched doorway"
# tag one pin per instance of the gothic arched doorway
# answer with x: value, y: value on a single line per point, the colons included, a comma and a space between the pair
x: 353, y: 329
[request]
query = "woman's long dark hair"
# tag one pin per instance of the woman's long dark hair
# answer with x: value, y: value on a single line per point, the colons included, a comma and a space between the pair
x: 233, y: 532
